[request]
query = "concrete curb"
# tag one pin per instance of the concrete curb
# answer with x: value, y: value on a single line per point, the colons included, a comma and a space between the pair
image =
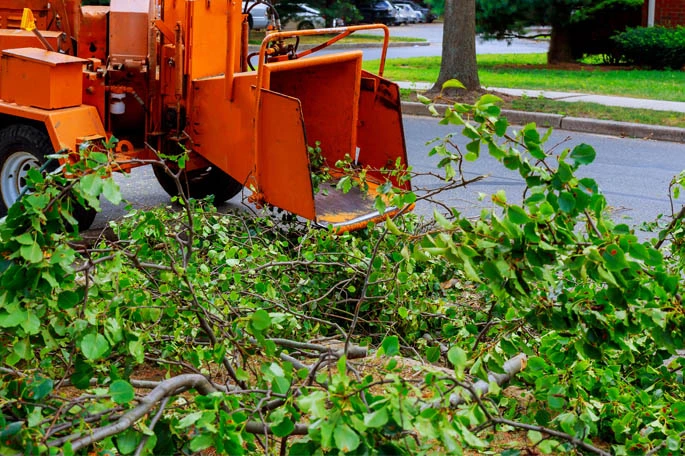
x: 602, y: 127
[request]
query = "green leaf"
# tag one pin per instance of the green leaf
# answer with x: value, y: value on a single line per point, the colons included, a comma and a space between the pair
x: 41, y: 387
x: 346, y: 440
x: 201, y: 442
x: 11, y: 429
x: 25, y: 239
x: 91, y: 184
x: 583, y: 154
x: 423, y: 99
x: 517, y: 215
x: 678, y: 410
x: 432, y: 354
x: 31, y: 253
x: 534, y: 437
x: 137, y: 350
x: 453, y: 84
x: 94, y: 346
x: 564, y: 173
x: 284, y: 428
x: 83, y: 372
x: 121, y: 392
x: 614, y: 258
x: 127, y: 441
x: 458, y: 358
x: 14, y: 317
x: 280, y: 385
x: 500, y: 129
x: 376, y: 419
x: 111, y: 191
x: 189, y: 420
x: 442, y: 221
x: 566, y: 202
x: 344, y: 184
x: 35, y: 417
x: 23, y: 349
x: 261, y: 320
x: 471, y: 439
x: 391, y: 345
x: 31, y: 325
x: 68, y: 299
x: 556, y: 398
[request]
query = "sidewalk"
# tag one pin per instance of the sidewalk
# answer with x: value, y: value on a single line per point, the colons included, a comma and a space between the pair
x: 606, y: 127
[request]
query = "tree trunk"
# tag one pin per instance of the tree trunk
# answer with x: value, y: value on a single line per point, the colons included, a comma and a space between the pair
x: 560, y: 50
x: 459, y: 45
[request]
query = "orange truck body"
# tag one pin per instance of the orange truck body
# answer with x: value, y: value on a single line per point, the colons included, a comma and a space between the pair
x: 162, y: 74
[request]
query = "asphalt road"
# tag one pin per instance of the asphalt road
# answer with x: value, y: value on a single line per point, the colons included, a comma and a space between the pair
x: 633, y: 174
x: 433, y: 34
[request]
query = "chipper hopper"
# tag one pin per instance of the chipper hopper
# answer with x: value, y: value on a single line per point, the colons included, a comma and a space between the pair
x: 174, y: 76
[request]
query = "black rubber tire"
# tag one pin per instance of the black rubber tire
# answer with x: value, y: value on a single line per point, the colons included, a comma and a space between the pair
x: 305, y: 25
x: 24, y: 138
x: 200, y: 183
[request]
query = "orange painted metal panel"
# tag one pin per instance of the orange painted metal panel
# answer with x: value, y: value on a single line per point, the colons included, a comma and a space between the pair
x: 206, y: 47
x: 283, y: 163
x: 94, y: 92
x: 221, y: 130
x: 11, y: 11
x: 380, y: 135
x: 328, y: 89
x: 129, y: 22
x: 40, y: 78
x: 92, y: 35
x: 65, y: 127
x: 20, y: 38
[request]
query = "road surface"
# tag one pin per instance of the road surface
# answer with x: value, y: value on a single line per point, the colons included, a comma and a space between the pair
x: 433, y: 34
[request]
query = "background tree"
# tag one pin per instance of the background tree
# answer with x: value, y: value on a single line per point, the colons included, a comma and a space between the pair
x: 459, y: 45
x: 578, y: 26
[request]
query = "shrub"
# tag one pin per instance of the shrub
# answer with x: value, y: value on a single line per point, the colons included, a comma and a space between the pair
x: 655, y: 47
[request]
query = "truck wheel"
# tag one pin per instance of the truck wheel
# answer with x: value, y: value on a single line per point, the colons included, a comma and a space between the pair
x: 23, y: 147
x: 200, y: 183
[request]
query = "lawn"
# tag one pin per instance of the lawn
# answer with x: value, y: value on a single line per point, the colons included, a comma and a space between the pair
x: 529, y: 71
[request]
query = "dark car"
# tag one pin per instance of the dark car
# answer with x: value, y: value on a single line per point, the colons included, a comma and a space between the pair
x: 382, y: 12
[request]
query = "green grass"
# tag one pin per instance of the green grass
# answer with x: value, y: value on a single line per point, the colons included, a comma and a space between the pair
x: 256, y: 37
x: 597, y: 111
x: 526, y: 71
x: 588, y: 110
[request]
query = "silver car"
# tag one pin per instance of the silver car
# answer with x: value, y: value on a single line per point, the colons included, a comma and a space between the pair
x: 414, y: 16
x: 403, y: 16
x: 258, y: 17
x: 305, y: 17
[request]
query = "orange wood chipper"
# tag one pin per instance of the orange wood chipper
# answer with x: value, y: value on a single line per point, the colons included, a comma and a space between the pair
x: 166, y: 76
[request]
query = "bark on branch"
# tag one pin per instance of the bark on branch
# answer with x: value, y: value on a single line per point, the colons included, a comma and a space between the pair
x: 163, y: 390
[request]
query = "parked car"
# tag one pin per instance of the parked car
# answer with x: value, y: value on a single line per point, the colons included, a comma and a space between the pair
x: 303, y: 17
x: 382, y: 12
x: 428, y: 15
x: 403, y: 17
x: 258, y: 17
x: 406, y: 11
x: 416, y: 15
